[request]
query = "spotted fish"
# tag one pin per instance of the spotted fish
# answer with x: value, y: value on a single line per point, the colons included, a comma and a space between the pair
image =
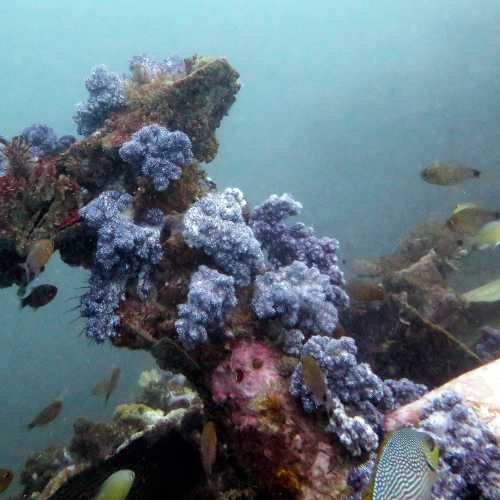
x: 406, y: 467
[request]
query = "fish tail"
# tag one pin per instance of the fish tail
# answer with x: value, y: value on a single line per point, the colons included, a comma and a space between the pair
x: 476, y: 173
x: 22, y: 303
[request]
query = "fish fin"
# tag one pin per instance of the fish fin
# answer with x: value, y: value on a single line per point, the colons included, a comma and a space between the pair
x: 26, y: 269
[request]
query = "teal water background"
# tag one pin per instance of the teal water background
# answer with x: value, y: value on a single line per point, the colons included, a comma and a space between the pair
x: 343, y: 102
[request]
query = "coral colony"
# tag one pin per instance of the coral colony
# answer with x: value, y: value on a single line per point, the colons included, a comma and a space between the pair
x: 354, y: 389
x: 124, y: 250
x: 44, y: 142
x: 211, y: 295
x: 216, y: 225
x: 106, y: 94
x: 158, y: 153
x: 145, y: 69
x: 244, y: 294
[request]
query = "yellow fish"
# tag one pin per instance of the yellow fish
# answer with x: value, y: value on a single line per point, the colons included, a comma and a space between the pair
x: 442, y: 174
x: 488, y: 236
x: 6, y: 477
x: 406, y: 467
x: 38, y: 256
x: 117, y: 486
x: 314, y: 379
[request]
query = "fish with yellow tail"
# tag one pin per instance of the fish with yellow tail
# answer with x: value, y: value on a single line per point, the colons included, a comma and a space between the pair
x: 406, y: 467
x: 117, y: 486
x: 6, y: 477
x: 441, y: 174
x: 488, y: 236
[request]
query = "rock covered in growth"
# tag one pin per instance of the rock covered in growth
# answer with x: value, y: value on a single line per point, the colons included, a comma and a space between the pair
x: 469, y: 453
x: 285, y: 243
x: 106, y: 94
x: 358, y: 396
x: 124, y: 250
x: 216, y: 225
x: 211, y: 294
x: 144, y: 68
x: 44, y: 142
x: 300, y: 296
x: 158, y: 153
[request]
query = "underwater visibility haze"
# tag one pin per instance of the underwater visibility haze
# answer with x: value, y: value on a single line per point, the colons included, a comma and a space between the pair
x: 249, y: 250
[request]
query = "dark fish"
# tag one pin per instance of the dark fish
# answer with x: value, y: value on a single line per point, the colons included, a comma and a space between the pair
x: 40, y: 296
x: 442, y: 174
x: 365, y: 291
x: 47, y: 415
x: 208, y: 445
x: 107, y: 386
x: 314, y: 379
x: 6, y: 477
x: 406, y: 467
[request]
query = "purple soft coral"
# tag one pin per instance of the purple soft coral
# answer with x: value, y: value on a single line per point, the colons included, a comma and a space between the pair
x: 286, y: 243
x: 106, y: 94
x: 216, y: 225
x: 42, y: 139
x: 145, y: 68
x: 470, y: 456
x: 357, y: 395
x: 124, y: 250
x: 158, y: 153
x: 211, y: 295
x: 301, y: 297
